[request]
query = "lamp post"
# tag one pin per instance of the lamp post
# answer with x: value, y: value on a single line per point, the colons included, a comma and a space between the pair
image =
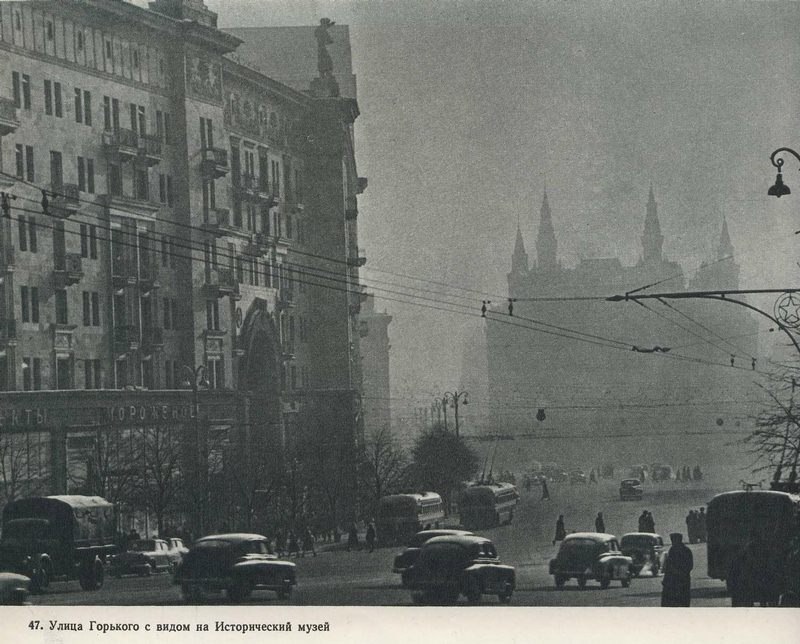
x: 197, y: 380
x: 453, y: 398
x: 779, y: 188
x: 436, y: 406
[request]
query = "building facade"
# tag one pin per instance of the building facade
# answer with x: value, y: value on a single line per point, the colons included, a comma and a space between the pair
x: 648, y: 403
x: 172, y: 214
x: 375, y: 349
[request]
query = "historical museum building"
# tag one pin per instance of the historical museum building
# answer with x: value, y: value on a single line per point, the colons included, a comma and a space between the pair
x: 173, y: 219
x: 692, y: 359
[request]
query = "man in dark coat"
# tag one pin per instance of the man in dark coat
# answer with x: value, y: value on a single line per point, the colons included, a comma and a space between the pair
x: 545, y: 491
x: 371, y: 536
x: 599, y: 523
x: 560, y: 530
x: 700, y: 519
x: 676, y: 588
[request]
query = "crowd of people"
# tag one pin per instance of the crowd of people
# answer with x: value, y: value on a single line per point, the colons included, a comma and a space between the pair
x: 696, y: 525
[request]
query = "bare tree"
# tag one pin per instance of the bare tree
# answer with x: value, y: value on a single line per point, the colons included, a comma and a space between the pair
x: 14, y: 466
x: 110, y: 469
x: 160, y: 457
x: 383, y: 466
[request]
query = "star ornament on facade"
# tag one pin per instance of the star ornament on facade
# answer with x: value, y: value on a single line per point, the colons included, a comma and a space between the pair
x: 787, y: 310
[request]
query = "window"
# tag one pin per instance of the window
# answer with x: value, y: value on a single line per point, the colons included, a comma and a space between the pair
x: 212, y: 315
x: 80, y: 41
x: 64, y: 373
x: 115, y: 179
x: 165, y: 190
x: 86, y: 175
x: 26, y: 91
x: 28, y: 240
x: 61, y: 307
x: 109, y: 51
x: 209, y: 195
x: 91, y: 308
x: 206, y: 133
x: 78, y: 106
x: 48, y: 98
x: 56, y: 171
x: 168, y: 311
x: 136, y: 58
x: 214, y: 373
x: 164, y: 250
x: 20, y: 159
x: 147, y: 374
x: 293, y: 377
x: 83, y: 106
x: 17, y: 88
x: 30, y: 169
x: 24, y: 162
x: 31, y: 374
x: 50, y: 30
x: 58, y: 101
x: 289, y: 226
x: 29, y: 303
x: 276, y: 178
x: 142, y: 185
x: 88, y: 241
x: 107, y: 113
x: 167, y: 130
x: 92, y: 378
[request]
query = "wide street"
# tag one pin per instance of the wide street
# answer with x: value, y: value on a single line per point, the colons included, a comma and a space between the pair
x: 361, y: 578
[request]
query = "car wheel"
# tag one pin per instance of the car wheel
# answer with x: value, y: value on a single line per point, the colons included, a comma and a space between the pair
x: 472, y: 590
x: 581, y: 582
x: 560, y: 581
x: 605, y: 582
x: 625, y: 582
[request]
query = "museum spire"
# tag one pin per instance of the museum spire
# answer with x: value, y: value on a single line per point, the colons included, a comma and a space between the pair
x: 546, y: 243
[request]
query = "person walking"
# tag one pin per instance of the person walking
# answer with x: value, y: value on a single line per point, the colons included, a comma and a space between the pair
x: 651, y: 522
x: 308, y: 542
x: 676, y: 586
x: 592, y: 477
x: 691, y: 526
x: 352, y: 537
x: 643, y: 521
x: 294, y: 546
x: 599, y: 523
x: 371, y: 535
x: 560, y: 530
x: 545, y: 491
x: 701, y: 525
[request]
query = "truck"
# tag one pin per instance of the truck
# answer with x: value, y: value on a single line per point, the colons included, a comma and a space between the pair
x: 58, y: 537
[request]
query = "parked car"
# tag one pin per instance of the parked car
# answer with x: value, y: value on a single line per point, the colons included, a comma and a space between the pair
x: 14, y: 588
x: 459, y: 565
x: 630, y: 490
x: 646, y: 549
x: 577, y: 476
x: 142, y: 557
x: 237, y: 564
x: 58, y: 537
x: 590, y: 555
x: 406, y: 559
x: 176, y: 551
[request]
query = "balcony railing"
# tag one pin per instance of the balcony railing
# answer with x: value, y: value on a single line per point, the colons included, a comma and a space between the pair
x: 221, y: 282
x: 141, y: 204
x: 218, y: 221
x: 66, y: 199
x: 150, y: 149
x: 122, y: 143
x: 215, y: 162
x: 68, y: 269
x: 8, y: 117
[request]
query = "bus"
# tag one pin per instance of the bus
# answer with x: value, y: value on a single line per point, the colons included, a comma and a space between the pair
x: 734, y: 518
x: 486, y: 505
x: 400, y: 516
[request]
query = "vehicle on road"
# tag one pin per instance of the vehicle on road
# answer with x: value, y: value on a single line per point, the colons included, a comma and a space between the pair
x: 236, y: 564
x: 406, y: 559
x: 591, y: 555
x: 577, y: 477
x: 142, y: 557
x: 14, y: 589
x: 400, y: 516
x: 176, y: 550
x: 647, y: 551
x: 486, y: 505
x: 58, y: 537
x: 455, y: 565
x: 771, y: 518
x: 630, y: 490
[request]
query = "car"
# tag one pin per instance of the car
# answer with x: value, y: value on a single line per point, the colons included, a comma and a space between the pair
x: 455, y: 565
x: 176, y: 551
x: 406, y: 559
x: 577, y: 476
x: 14, y: 588
x: 630, y: 490
x: 142, y: 557
x: 590, y: 555
x: 646, y: 549
x: 236, y: 564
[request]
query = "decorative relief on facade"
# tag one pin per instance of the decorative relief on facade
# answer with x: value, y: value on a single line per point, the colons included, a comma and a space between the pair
x: 254, y: 118
x: 203, y: 78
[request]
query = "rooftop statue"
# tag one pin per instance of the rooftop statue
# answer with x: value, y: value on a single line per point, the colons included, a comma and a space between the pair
x: 324, y: 62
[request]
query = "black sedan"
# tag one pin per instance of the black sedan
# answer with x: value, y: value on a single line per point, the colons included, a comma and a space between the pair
x: 236, y: 564
x: 406, y: 559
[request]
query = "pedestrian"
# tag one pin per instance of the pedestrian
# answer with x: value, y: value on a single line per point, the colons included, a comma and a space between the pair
x: 280, y: 542
x: 294, y: 546
x: 676, y: 586
x: 691, y: 523
x: 545, y: 491
x: 643, y: 521
x: 592, y: 477
x: 308, y: 542
x: 599, y: 524
x: 701, y: 525
x: 560, y: 530
x: 678, y: 476
x: 651, y: 522
x: 698, y: 474
x: 371, y: 535
x: 352, y: 537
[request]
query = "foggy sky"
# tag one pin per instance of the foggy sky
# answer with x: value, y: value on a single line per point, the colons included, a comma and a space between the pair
x: 469, y: 108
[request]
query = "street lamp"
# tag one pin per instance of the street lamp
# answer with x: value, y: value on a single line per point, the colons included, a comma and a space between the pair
x: 197, y: 380
x: 453, y: 399
x: 436, y: 406
x: 780, y: 188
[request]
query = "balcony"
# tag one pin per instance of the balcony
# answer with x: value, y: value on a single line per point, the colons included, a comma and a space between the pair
x: 221, y: 282
x: 219, y: 222
x: 126, y: 338
x: 259, y: 245
x: 356, y: 261
x: 150, y: 150
x: 152, y: 338
x: 148, y: 276
x: 214, y: 162
x: 123, y: 272
x: 121, y: 144
x: 8, y: 117
x: 140, y: 204
x: 8, y: 333
x: 66, y: 199
x: 68, y: 270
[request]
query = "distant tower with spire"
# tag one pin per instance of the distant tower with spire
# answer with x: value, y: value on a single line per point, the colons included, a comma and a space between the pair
x: 652, y: 239
x: 546, y: 243
x: 722, y: 272
x: 519, y: 260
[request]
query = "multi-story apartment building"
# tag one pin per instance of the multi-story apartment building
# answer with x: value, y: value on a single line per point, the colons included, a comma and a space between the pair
x: 195, y: 212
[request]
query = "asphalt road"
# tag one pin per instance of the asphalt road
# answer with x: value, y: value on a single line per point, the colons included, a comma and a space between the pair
x: 340, y: 578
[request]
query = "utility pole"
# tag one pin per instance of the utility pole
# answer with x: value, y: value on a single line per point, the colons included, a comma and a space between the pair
x: 453, y: 398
